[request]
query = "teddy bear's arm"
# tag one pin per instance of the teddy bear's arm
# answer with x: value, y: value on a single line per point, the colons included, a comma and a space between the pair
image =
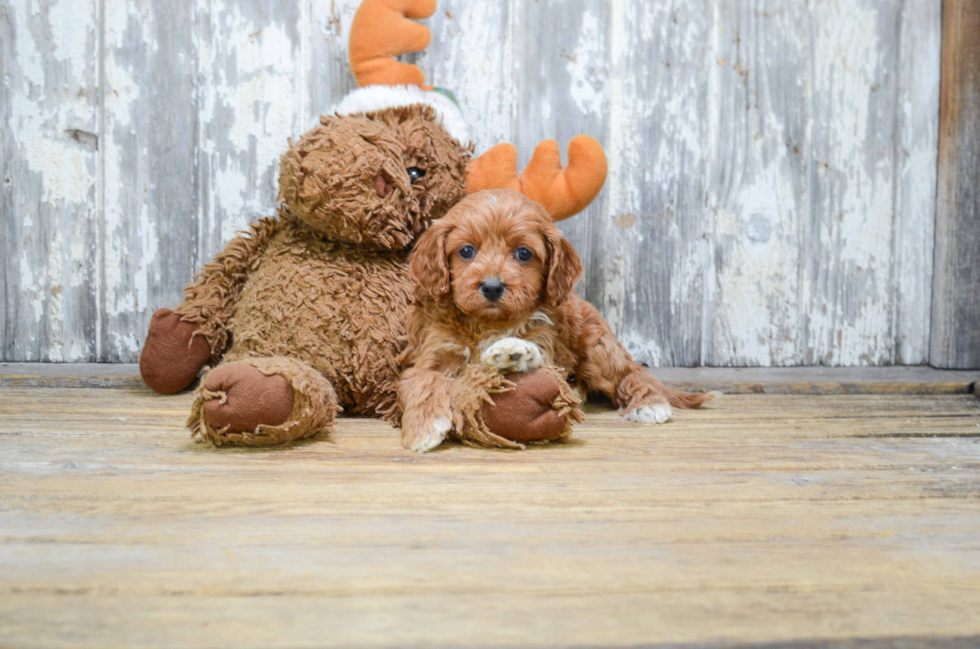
x: 182, y: 341
x: 211, y: 297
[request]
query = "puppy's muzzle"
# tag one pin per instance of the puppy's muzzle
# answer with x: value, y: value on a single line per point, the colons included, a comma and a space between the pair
x: 492, y: 289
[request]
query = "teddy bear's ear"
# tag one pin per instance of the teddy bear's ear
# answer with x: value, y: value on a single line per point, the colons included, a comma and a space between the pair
x: 564, y: 192
x: 381, y: 30
x: 429, y: 265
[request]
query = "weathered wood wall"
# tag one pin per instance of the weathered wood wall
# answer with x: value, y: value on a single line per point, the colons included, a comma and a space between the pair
x: 771, y: 198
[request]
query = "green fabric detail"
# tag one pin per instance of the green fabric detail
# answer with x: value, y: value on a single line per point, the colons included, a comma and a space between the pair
x: 445, y: 92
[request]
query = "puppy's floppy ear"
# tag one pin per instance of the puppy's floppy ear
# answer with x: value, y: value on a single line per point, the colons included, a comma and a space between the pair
x: 428, y: 266
x: 564, y: 266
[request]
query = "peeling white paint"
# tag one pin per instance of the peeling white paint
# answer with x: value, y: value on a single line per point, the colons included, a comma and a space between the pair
x: 642, y: 349
x: 848, y: 315
x: 745, y: 325
x: 480, y: 71
x: 126, y: 341
x: 50, y: 161
x: 122, y: 101
x: 39, y: 123
x: 252, y: 103
x: 55, y: 298
x: 586, y: 67
x: 751, y: 292
x: 626, y: 155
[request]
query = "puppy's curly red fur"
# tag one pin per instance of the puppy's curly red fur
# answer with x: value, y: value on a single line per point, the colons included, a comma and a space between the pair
x: 452, y: 321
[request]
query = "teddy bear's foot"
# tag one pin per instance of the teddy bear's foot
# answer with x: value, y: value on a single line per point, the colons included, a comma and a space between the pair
x: 172, y: 355
x: 249, y: 398
x: 541, y: 407
x: 262, y: 402
x: 498, y: 411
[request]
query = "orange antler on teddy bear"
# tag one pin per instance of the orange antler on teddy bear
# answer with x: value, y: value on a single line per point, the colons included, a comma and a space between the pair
x: 382, y: 30
x: 563, y: 192
x: 303, y: 315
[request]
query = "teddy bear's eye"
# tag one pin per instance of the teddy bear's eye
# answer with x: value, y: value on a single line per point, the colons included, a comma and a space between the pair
x: 523, y: 254
x: 414, y: 173
x: 467, y: 252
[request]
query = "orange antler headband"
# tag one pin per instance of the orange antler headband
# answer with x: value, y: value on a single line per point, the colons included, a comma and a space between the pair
x: 382, y: 30
x: 563, y: 192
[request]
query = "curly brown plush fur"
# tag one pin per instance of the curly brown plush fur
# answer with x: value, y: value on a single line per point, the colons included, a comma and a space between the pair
x: 318, y: 295
x: 211, y: 297
x: 348, y: 166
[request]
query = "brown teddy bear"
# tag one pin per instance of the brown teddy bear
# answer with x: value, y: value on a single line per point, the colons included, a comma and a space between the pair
x: 302, y: 316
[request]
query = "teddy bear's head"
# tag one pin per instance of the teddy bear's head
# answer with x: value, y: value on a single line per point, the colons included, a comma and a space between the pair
x: 374, y: 179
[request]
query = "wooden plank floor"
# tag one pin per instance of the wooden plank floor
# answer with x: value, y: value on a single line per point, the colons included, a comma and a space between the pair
x: 763, y: 518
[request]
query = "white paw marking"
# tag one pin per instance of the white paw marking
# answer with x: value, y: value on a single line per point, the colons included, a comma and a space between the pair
x: 433, y: 437
x: 512, y: 354
x: 656, y: 414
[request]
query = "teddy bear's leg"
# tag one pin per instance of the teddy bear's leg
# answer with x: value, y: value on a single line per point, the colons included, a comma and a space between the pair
x: 262, y: 402
x: 182, y: 341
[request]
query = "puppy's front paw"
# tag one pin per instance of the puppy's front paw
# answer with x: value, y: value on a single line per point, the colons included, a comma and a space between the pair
x: 655, y: 414
x: 512, y: 355
x: 426, y: 437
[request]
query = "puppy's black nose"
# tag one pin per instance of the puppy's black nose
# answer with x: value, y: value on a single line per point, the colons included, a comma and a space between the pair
x: 492, y: 289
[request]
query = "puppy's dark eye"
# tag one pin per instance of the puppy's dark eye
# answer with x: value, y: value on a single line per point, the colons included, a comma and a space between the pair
x: 523, y: 254
x: 414, y: 173
x: 467, y: 252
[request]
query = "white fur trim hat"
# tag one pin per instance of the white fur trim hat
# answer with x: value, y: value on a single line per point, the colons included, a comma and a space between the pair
x: 374, y: 98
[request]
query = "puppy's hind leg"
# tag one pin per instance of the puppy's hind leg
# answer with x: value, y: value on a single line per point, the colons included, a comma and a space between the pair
x: 644, y: 399
x: 608, y: 368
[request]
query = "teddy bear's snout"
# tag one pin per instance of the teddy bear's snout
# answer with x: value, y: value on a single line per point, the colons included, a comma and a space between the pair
x: 382, y: 184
